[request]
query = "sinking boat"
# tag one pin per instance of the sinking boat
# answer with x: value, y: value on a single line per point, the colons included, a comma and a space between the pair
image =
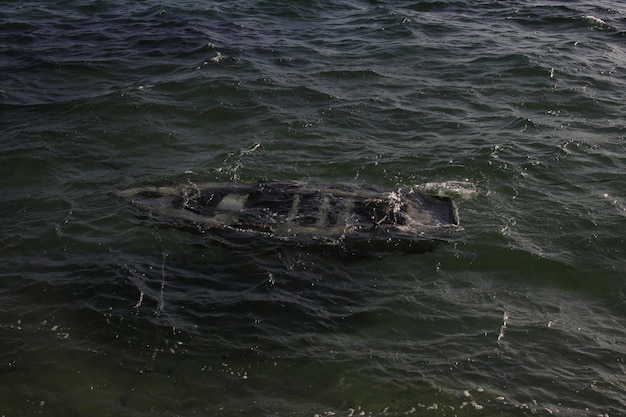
x: 351, y: 217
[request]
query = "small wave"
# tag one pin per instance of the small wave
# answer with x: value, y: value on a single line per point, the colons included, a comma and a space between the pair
x: 465, y: 190
x: 349, y: 74
x: 616, y: 202
x: 558, y: 18
x: 594, y: 21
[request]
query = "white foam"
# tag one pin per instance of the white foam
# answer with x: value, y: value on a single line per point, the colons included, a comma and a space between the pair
x: 594, y: 20
x: 462, y: 189
x: 505, y: 322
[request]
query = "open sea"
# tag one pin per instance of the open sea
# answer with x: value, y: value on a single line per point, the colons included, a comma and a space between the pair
x: 516, y: 109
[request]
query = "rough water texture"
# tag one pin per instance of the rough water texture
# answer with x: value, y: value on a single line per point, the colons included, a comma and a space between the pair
x: 514, y: 109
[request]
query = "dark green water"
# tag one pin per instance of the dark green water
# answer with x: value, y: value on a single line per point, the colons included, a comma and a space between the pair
x: 513, y: 108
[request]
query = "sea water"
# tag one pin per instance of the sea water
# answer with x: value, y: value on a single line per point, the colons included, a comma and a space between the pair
x: 513, y: 108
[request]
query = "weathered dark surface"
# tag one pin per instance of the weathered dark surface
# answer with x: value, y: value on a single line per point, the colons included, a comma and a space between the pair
x: 305, y: 213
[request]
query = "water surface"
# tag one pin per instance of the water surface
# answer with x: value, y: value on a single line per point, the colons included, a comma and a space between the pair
x: 513, y: 108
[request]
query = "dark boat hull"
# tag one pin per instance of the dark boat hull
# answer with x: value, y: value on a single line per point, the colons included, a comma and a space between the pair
x: 345, y: 215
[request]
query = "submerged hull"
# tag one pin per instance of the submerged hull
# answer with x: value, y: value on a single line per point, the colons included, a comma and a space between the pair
x: 349, y: 216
